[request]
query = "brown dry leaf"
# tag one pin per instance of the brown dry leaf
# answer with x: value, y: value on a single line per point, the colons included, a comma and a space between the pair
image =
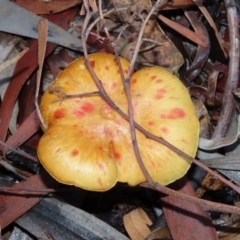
x: 160, y: 233
x: 44, y: 7
x: 209, y: 183
x: 136, y: 224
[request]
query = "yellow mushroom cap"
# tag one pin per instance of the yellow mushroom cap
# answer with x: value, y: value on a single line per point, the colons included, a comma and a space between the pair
x: 88, y: 144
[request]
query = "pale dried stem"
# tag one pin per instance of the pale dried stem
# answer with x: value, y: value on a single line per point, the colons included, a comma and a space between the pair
x: 100, y: 9
x: 42, y: 44
x: 233, y: 70
x: 104, y: 95
x: 63, y: 96
x: 12, y: 60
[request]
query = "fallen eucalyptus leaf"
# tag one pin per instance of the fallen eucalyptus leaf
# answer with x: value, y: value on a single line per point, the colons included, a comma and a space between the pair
x: 231, y: 174
x: 47, y: 7
x: 160, y: 233
x: 229, y: 162
x: 24, y: 23
x: 212, y: 144
x: 8, y: 50
x: 18, y: 234
x: 136, y: 224
x: 63, y: 221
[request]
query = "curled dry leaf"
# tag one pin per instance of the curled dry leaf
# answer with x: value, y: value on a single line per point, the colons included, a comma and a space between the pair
x: 216, y: 143
x: 136, y: 224
x: 88, y: 144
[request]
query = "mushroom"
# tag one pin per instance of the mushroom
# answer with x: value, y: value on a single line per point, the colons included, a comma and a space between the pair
x: 88, y: 144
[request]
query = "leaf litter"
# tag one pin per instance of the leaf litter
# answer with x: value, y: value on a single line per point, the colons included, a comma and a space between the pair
x: 118, y: 27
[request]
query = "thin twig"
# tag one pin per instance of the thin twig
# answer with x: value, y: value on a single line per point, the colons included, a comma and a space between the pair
x: 42, y: 44
x: 126, y: 84
x: 100, y: 9
x: 233, y: 71
x: 12, y: 60
x: 205, y: 204
x: 63, y: 96
x: 158, y: 4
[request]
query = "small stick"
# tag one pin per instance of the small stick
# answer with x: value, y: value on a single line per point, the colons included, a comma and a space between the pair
x: 205, y: 204
x: 233, y: 71
x: 42, y: 44
x: 12, y: 60
x: 62, y: 96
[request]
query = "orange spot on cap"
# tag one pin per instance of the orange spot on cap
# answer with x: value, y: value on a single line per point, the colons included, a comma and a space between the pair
x: 134, y: 80
x: 107, y: 68
x: 87, y: 107
x: 160, y: 93
x: 117, y: 155
x: 59, y: 113
x: 117, y: 121
x: 99, y: 181
x: 184, y: 141
x: 92, y: 62
x: 152, y: 163
x: 153, y: 77
x: 78, y: 113
x: 151, y: 123
x: 75, y: 152
x: 115, y: 61
x: 114, y: 85
x: 101, y: 166
x: 158, y: 80
x: 175, y: 113
x: 164, y: 129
